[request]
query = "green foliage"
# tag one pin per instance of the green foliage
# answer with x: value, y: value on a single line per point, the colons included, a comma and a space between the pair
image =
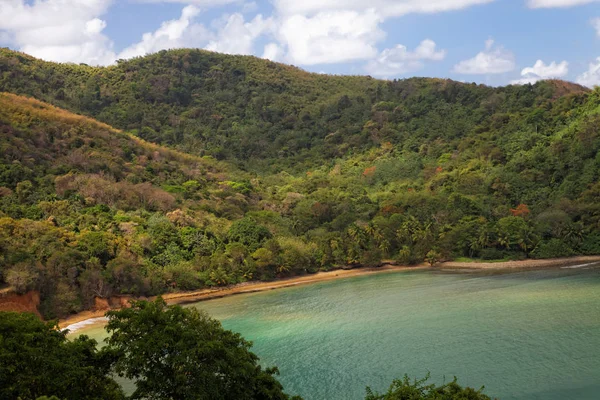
x: 417, y: 389
x: 264, y: 170
x: 247, y: 232
x: 180, y: 353
x: 552, y: 248
x: 22, y: 277
x: 36, y: 359
x: 515, y: 232
x: 97, y: 244
x: 169, y: 352
x: 432, y: 257
x: 492, y: 254
x: 297, y: 256
x: 591, y: 244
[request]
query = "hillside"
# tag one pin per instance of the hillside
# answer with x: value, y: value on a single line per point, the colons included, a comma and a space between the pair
x: 260, y: 170
x: 82, y: 204
x: 268, y: 117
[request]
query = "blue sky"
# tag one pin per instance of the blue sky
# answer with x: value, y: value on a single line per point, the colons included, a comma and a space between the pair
x: 495, y: 42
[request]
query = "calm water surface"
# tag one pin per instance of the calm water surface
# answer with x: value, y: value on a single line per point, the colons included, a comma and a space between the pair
x: 524, y: 335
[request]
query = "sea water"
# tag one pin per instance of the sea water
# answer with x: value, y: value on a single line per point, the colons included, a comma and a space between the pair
x: 524, y: 335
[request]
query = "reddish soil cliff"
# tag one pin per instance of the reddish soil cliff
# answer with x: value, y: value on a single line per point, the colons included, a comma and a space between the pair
x: 28, y: 302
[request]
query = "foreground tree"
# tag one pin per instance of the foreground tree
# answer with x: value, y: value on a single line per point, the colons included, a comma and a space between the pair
x: 36, y: 359
x: 170, y: 353
x: 432, y: 257
x: 179, y: 353
x: 417, y: 389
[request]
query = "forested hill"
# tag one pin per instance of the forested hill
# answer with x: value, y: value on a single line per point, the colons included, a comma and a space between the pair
x: 83, y: 206
x: 270, y: 117
x: 261, y: 170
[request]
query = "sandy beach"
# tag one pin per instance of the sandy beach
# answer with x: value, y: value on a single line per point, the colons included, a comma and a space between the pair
x: 87, y: 318
x: 525, y: 264
x: 73, y: 322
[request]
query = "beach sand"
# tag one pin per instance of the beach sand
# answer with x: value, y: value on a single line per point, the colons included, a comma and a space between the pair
x: 87, y: 318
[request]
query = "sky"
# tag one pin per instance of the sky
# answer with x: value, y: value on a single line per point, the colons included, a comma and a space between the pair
x: 494, y: 42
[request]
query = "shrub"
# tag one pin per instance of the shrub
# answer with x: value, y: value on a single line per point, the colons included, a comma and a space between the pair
x: 417, y: 389
x: 591, y: 244
x: 552, y: 248
x: 492, y: 254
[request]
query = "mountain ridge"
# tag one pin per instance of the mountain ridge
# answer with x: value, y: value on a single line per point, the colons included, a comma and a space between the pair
x: 246, y: 108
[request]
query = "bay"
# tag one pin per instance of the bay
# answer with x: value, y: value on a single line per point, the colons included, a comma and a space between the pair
x: 523, y: 334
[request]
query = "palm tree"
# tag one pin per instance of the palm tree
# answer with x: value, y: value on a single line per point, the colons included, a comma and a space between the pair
x: 384, y: 245
x: 357, y: 234
x: 283, y: 269
x: 573, y: 233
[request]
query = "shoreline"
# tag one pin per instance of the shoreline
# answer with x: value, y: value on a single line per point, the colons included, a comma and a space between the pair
x: 79, y: 319
x: 94, y: 317
x: 523, y: 264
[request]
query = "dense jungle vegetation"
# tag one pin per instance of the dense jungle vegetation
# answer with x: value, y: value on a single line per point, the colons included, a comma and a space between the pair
x: 209, y: 169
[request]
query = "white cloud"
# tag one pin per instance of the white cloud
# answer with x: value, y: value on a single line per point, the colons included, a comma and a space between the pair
x: 172, y: 34
x: 596, y: 25
x: 235, y: 36
x: 399, y: 60
x: 273, y: 52
x: 58, y: 30
x: 5, y: 38
x: 19, y: 14
x: 201, y: 3
x: 330, y: 37
x: 493, y: 60
x: 306, y: 32
x: 591, y: 77
x: 333, y: 31
x: 229, y: 34
x: 541, y: 71
x: 94, y: 26
x: 557, y: 3
x: 386, y: 8
x: 71, y: 31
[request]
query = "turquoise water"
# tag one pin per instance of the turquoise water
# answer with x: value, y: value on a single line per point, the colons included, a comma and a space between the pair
x: 524, y: 335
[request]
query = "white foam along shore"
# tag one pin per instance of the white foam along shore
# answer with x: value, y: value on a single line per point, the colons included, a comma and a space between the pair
x: 580, y: 265
x: 82, y: 324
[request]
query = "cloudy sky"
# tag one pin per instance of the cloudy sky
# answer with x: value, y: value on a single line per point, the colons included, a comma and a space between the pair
x: 494, y: 42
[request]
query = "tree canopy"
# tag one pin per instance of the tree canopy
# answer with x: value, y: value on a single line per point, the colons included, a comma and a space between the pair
x: 418, y: 389
x: 188, y: 169
x: 171, y: 352
x: 36, y: 359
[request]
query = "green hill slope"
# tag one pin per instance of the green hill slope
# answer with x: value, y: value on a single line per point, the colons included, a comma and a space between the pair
x: 267, y: 116
x: 315, y: 171
x: 86, y: 210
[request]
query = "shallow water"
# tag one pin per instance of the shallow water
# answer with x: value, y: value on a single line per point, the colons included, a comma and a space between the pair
x: 524, y: 335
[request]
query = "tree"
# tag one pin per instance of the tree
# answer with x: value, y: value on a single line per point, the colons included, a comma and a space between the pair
x: 264, y: 258
x: 405, y: 389
x: 361, y: 168
x: 97, y: 244
x: 180, y: 353
x: 521, y: 211
x: 22, y: 277
x: 124, y: 274
x: 433, y: 257
x: 24, y: 190
x: 36, y: 359
x: 515, y: 231
x: 162, y: 231
x: 249, y: 233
